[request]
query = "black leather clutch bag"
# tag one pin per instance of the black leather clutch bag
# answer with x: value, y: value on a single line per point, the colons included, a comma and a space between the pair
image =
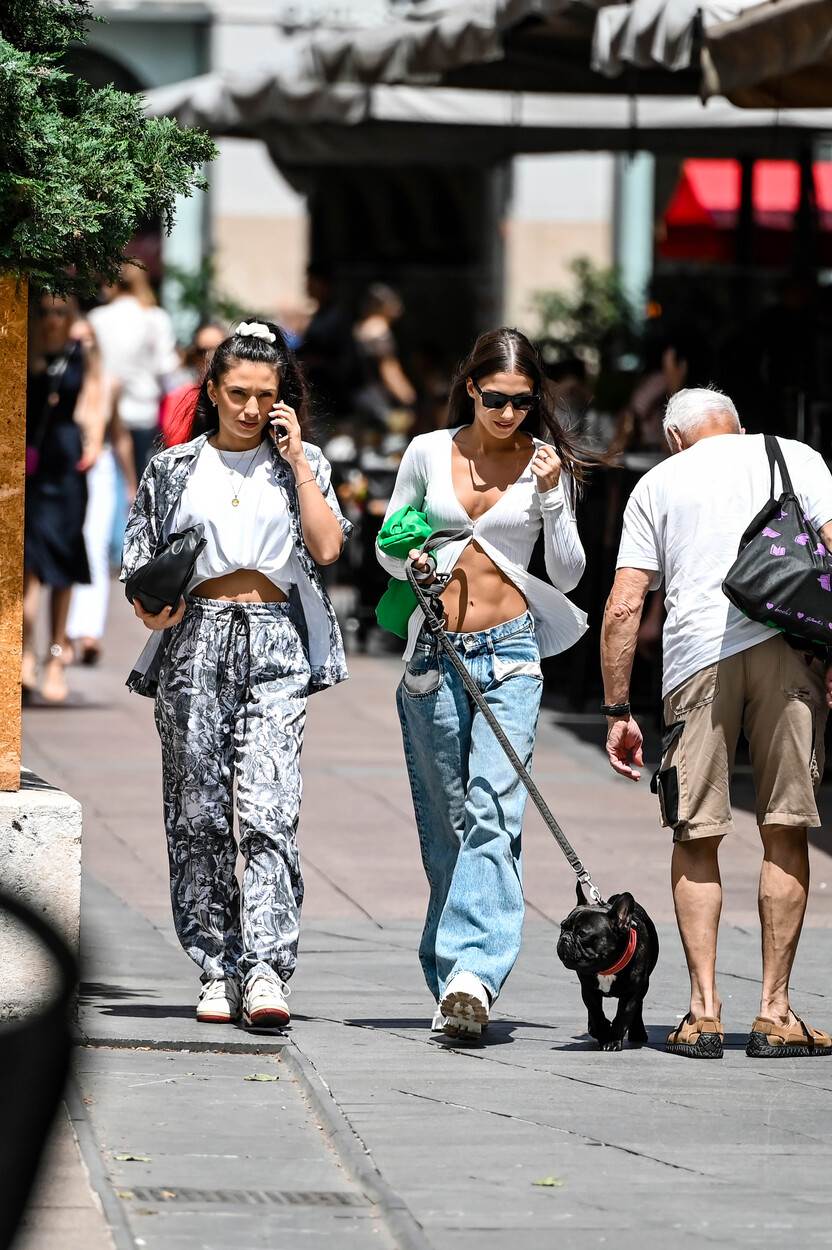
x: 162, y: 582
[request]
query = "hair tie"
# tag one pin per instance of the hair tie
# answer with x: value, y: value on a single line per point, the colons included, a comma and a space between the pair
x: 254, y: 330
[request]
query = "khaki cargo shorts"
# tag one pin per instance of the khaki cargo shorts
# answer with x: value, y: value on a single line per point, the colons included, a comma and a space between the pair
x: 777, y: 698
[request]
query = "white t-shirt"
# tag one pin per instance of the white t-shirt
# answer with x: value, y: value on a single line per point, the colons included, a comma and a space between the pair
x: 253, y: 535
x: 138, y: 350
x: 684, y: 521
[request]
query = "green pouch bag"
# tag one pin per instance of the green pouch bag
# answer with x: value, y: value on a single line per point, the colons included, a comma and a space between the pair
x: 404, y: 530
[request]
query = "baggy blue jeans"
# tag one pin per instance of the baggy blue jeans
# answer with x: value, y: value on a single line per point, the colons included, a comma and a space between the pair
x: 467, y: 797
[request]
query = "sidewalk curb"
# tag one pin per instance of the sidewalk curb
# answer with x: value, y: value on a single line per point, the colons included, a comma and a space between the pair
x: 406, y: 1231
x: 102, y: 1187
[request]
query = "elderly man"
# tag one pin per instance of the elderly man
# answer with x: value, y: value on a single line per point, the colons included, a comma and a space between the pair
x: 722, y: 673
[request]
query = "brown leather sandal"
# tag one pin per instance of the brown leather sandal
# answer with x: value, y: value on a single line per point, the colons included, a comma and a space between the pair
x: 696, y: 1039
x: 795, y: 1040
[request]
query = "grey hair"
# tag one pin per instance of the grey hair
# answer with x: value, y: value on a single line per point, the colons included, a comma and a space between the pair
x: 690, y: 408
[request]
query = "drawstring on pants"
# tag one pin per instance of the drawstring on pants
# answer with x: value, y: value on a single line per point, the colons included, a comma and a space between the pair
x: 237, y: 614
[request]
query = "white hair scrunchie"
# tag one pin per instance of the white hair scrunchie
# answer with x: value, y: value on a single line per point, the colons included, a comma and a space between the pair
x: 254, y: 330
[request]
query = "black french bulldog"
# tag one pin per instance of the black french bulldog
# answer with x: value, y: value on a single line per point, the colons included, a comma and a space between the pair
x: 613, y: 947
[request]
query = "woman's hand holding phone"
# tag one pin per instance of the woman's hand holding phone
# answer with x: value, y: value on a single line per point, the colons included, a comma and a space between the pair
x: 286, y: 433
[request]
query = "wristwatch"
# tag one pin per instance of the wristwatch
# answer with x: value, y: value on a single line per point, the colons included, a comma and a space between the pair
x: 615, y: 709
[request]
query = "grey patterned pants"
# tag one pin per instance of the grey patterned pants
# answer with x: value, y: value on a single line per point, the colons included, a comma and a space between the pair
x: 231, y: 708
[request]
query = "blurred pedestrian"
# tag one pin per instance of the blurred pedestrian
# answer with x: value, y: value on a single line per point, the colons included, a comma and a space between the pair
x: 385, y: 384
x: 138, y: 351
x: 232, y: 665
x: 327, y: 349
x: 496, y: 488
x: 64, y: 433
x: 723, y: 674
x: 177, y: 410
x: 88, y: 610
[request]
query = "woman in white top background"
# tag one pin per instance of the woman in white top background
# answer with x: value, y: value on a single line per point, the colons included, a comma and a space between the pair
x: 232, y: 665
x: 488, y: 478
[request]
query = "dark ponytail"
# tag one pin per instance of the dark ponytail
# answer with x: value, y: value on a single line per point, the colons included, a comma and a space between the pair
x: 292, y: 388
x: 509, y: 351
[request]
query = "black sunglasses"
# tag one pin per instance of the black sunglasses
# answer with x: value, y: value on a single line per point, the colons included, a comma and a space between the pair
x: 496, y: 399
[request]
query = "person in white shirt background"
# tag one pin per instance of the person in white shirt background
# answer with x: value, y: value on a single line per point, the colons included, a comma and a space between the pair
x: 138, y: 351
x: 722, y: 673
x: 489, y: 479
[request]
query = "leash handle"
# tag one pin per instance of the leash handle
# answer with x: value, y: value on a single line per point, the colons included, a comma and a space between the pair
x: 427, y: 599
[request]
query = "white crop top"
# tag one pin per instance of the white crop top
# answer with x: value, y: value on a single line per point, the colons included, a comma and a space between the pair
x: 254, y: 534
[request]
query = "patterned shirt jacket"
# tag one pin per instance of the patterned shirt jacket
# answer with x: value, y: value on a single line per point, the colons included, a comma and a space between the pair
x: 150, y: 523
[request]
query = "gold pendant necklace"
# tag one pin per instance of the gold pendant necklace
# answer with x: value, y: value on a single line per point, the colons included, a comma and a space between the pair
x: 235, y: 498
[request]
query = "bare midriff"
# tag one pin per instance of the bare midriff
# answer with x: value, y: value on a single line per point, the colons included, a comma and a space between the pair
x: 241, y: 586
x: 479, y: 595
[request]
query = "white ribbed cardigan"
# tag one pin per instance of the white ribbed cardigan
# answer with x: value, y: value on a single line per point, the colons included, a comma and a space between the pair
x: 507, y: 533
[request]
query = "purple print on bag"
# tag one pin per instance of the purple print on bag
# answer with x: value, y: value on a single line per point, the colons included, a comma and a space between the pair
x: 799, y: 616
x: 802, y: 539
x: 768, y: 532
x: 769, y: 606
x: 777, y: 551
x: 825, y: 580
x: 783, y: 514
x: 820, y: 550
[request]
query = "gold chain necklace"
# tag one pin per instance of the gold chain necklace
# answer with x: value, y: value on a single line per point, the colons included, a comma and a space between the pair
x: 235, y: 498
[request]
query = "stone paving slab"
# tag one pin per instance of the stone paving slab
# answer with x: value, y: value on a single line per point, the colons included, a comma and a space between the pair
x: 222, y: 1161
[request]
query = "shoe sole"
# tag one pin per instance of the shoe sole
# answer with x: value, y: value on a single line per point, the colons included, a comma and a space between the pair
x: 266, y: 1021
x: 759, y: 1047
x: 466, y: 1015
x: 709, y: 1046
x: 203, y: 1019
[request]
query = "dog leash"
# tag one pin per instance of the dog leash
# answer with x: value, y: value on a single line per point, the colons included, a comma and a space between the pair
x: 427, y: 598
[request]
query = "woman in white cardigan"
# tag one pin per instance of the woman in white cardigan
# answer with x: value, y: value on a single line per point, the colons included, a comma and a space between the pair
x: 491, y: 480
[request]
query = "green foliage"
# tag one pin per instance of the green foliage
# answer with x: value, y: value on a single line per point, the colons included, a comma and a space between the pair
x: 35, y: 26
x: 80, y: 168
x: 198, y: 292
x: 593, y: 321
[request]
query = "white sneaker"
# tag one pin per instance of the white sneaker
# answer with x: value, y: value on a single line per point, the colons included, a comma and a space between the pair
x: 219, y: 1001
x: 465, y: 1005
x: 264, y: 1004
x: 441, y: 1024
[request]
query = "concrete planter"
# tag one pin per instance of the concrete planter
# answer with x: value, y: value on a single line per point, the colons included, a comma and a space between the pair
x: 40, y: 863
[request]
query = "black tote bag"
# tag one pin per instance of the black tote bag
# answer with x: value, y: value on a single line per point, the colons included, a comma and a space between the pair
x: 163, y: 580
x: 782, y: 576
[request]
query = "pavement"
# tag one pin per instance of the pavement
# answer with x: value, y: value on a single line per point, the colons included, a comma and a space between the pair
x: 376, y: 1132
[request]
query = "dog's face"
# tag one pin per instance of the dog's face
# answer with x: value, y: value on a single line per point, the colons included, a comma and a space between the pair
x: 591, y: 935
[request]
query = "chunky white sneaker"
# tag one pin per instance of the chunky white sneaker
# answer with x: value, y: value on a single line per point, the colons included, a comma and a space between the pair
x: 219, y: 1001
x: 465, y: 1006
x: 441, y: 1024
x: 264, y: 1004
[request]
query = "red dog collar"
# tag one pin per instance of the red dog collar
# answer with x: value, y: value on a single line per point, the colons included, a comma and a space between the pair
x: 632, y: 942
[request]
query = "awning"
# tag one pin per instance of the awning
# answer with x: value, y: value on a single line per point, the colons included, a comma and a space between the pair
x: 758, y: 53
x: 710, y: 191
x: 388, y: 125
x: 776, y: 54
x: 703, y: 216
x: 657, y: 33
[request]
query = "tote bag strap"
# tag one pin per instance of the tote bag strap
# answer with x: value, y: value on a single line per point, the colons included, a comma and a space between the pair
x: 775, y: 456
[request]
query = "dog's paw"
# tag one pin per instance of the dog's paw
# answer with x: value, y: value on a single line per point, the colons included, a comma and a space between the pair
x: 612, y: 1043
x: 638, y: 1036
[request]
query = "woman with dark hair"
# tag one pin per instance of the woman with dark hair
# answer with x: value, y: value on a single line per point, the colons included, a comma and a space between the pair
x: 496, y: 486
x: 232, y: 665
x: 64, y: 433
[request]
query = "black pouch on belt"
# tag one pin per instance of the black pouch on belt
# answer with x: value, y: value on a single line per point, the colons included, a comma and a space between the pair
x: 665, y: 781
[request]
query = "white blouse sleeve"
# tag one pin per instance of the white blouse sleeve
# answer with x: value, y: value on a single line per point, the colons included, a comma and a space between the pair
x: 564, y: 554
x: 410, y: 487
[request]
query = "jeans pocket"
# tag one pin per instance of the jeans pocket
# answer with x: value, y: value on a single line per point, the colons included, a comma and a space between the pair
x: 505, y: 667
x: 422, y: 674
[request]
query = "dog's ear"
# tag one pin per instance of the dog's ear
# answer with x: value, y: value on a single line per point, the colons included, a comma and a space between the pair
x: 583, y: 901
x: 621, y: 910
